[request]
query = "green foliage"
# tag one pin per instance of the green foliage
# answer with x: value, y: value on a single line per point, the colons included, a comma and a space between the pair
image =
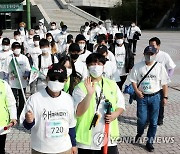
x: 150, y: 12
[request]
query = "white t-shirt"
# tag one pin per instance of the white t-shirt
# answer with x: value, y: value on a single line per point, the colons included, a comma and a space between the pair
x: 164, y: 58
x: 22, y: 66
x: 11, y: 107
x: 92, y: 35
x: 78, y: 96
x: 53, y: 118
x: 110, y: 71
x: 34, y: 52
x: 28, y: 43
x: 83, y: 56
x: 102, y: 30
x: 81, y: 68
x: 86, y: 35
x: 155, y: 79
x: 131, y: 31
x: 120, y: 55
x: 54, y: 32
x: 3, y: 57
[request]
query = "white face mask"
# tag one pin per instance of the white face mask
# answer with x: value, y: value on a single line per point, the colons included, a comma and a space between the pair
x: 45, y: 50
x: 50, y: 40
x: 82, y: 46
x: 53, y: 27
x: 17, y: 37
x: 149, y: 58
x: 36, y: 31
x: 5, y: 47
x: 119, y: 41
x: 17, y: 51
x: 96, y: 70
x: 69, y: 72
x: 36, y: 43
x: 55, y: 86
x: 30, y: 36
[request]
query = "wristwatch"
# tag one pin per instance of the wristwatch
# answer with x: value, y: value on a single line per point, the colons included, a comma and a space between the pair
x: 166, y: 97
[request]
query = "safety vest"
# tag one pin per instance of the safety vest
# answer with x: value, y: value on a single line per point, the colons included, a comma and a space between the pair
x: 4, y: 112
x: 83, y: 134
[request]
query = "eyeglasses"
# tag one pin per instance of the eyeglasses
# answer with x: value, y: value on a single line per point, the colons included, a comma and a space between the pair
x: 54, y: 78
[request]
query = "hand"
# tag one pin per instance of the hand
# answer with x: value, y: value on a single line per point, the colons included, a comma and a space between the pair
x: 108, y: 118
x: 89, y: 85
x: 139, y: 94
x: 74, y: 150
x: 29, y: 117
x: 164, y: 101
x: 14, y: 121
x: 25, y: 77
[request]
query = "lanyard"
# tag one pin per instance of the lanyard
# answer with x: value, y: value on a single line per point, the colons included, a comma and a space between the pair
x: 98, y: 99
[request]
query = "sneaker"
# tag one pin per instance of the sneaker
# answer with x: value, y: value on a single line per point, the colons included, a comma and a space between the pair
x: 149, y: 147
x: 160, y: 122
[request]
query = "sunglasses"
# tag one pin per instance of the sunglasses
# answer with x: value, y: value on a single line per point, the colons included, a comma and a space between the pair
x: 54, y: 78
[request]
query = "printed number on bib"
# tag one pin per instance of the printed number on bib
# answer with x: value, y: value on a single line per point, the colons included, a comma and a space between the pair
x: 146, y: 86
x: 120, y: 64
x: 56, y: 128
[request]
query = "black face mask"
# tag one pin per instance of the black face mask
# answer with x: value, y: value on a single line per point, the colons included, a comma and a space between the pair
x: 74, y: 56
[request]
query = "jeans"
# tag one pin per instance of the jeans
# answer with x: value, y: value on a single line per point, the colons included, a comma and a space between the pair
x: 120, y: 83
x: 132, y: 43
x: 2, y: 143
x: 148, y: 107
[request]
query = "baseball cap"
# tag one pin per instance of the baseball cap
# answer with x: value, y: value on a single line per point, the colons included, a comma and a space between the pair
x: 150, y: 49
x: 16, y: 45
x: 101, y: 48
x: 80, y: 37
x: 119, y: 35
x: 57, y: 72
x: 5, y: 41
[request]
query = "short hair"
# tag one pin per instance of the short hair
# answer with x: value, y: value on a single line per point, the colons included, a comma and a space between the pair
x: 86, y: 23
x: 17, y: 33
x: 94, y: 58
x: 22, y: 24
x: 36, y: 38
x: 16, y: 45
x: 43, y: 42
x: 100, y: 23
x: 102, y: 49
x: 101, y: 38
x: 53, y: 23
x: 155, y: 39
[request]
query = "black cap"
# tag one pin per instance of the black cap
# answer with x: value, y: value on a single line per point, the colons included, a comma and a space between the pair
x: 74, y: 47
x: 119, y: 35
x: 102, y: 48
x: 36, y: 37
x: 16, y: 45
x: 5, y: 41
x: 57, y: 70
x: 150, y: 49
x: 80, y: 37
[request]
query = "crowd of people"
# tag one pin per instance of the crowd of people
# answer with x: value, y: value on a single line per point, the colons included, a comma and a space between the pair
x: 76, y: 86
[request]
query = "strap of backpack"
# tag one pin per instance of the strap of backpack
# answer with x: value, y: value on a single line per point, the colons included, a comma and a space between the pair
x: 39, y: 62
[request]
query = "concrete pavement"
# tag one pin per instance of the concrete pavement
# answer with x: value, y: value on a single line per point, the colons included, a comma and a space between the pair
x: 18, y: 141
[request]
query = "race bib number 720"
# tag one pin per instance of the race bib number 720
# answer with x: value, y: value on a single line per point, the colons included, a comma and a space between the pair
x: 56, y: 129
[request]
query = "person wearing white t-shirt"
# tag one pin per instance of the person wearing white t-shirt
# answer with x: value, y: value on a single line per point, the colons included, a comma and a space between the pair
x: 17, y: 38
x: 28, y: 42
x: 22, y: 65
x: 8, y: 113
x: 84, y: 53
x: 102, y: 29
x: 165, y: 59
x: 42, y: 63
x: 110, y: 70
x: 90, y: 98
x: 4, y: 53
x: 124, y: 57
x: 80, y: 67
x: 61, y: 39
x: 49, y: 114
x: 53, y: 29
x: 148, y: 93
x: 133, y: 34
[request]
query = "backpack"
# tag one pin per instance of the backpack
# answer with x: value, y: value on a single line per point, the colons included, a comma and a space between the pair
x: 39, y: 60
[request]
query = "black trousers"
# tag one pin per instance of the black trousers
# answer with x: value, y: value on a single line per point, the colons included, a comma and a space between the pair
x: 19, y: 97
x: 111, y: 150
x: 123, y: 79
x: 132, y: 43
x: 161, y: 109
x: 2, y: 143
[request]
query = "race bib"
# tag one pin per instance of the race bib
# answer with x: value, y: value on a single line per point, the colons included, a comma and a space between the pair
x: 56, y: 128
x: 146, y: 86
x: 120, y: 64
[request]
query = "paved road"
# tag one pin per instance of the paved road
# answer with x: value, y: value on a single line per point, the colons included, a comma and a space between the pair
x: 18, y: 140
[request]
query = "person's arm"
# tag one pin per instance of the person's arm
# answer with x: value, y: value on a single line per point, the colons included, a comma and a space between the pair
x: 137, y: 91
x: 170, y: 72
x: 27, y: 125
x: 84, y: 104
x: 165, y: 94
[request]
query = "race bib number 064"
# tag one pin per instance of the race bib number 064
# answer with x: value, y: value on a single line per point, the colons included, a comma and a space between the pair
x: 56, y: 129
